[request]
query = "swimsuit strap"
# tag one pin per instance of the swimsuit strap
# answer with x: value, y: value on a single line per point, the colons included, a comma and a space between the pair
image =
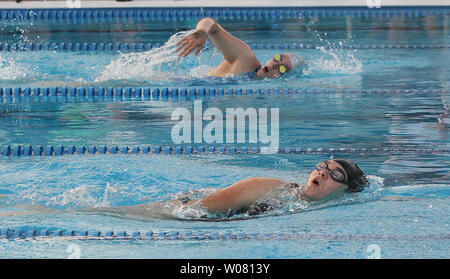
x: 257, y: 68
x: 252, y: 74
x: 294, y: 185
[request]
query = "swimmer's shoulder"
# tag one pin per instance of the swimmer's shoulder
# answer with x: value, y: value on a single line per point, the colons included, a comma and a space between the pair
x: 240, y: 66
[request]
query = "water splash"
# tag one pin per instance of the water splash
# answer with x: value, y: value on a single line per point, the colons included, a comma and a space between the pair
x: 333, y: 60
x: 192, y: 211
x: 12, y: 70
x: 87, y: 196
x: 110, y: 192
x: 81, y: 196
x: 156, y: 64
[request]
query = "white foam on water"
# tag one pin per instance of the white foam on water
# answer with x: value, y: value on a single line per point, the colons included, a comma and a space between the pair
x: 158, y: 64
x: 78, y: 196
x: 12, y: 70
x: 333, y: 60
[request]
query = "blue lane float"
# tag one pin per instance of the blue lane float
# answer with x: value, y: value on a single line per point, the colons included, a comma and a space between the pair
x: 60, y: 150
x: 13, y: 234
x: 220, y: 13
x: 79, y: 47
x: 146, y: 46
x: 27, y: 94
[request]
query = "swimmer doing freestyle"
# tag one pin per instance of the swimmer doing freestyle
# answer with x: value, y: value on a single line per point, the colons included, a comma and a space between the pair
x: 329, y: 180
x: 239, y: 58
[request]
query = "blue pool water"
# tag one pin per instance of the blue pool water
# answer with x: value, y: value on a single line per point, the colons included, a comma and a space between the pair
x: 409, y: 192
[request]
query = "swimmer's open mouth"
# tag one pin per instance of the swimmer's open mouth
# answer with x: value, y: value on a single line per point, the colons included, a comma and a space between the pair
x: 315, y: 182
x: 266, y: 69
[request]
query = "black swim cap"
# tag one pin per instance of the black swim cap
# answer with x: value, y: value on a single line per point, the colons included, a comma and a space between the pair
x: 356, y: 178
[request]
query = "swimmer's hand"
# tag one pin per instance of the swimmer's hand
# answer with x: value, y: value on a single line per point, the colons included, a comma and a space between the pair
x: 192, y: 41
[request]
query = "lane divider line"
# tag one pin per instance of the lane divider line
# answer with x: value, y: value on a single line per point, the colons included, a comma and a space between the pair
x: 148, y: 93
x: 42, y: 234
x: 60, y: 150
x: 225, y: 13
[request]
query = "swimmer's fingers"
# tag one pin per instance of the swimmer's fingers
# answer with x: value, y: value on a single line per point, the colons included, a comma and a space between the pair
x: 188, y: 44
x: 189, y: 48
x: 199, y: 48
x: 181, y: 46
x: 184, y: 47
x: 180, y: 41
x: 183, y: 50
x: 188, y: 51
x: 184, y: 39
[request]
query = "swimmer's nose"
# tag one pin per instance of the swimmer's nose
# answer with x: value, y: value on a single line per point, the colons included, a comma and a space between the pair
x: 323, y: 174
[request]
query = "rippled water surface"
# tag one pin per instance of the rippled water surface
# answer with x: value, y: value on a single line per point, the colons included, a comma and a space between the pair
x: 408, y: 193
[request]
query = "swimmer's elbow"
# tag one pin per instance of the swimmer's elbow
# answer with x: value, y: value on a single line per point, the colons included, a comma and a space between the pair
x: 208, y: 25
x: 206, y: 19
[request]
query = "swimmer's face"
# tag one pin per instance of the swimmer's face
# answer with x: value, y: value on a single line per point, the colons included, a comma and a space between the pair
x: 320, y: 184
x: 270, y: 69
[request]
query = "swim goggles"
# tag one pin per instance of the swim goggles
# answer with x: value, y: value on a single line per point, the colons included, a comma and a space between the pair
x: 336, y: 174
x: 282, y: 68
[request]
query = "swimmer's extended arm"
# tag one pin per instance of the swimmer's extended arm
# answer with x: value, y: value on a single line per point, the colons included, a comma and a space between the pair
x: 240, y: 194
x: 231, y: 47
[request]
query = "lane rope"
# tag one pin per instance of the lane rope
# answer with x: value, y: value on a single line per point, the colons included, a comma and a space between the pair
x: 226, y: 13
x: 198, y: 235
x: 19, y: 94
x: 60, y: 150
